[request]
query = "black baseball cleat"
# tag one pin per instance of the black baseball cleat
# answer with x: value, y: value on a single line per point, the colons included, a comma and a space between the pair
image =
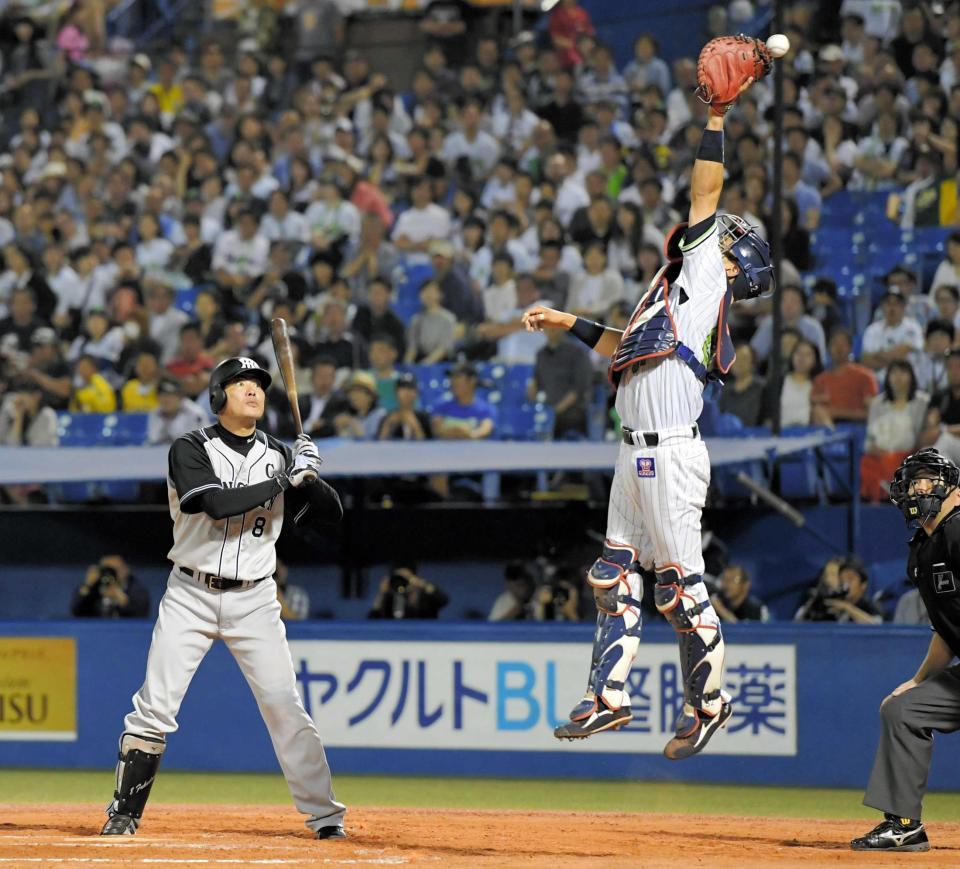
x: 120, y: 825
x: 334, y: 831
x: 894, y: 834
x: 681, y: 747
x: 602, y: 718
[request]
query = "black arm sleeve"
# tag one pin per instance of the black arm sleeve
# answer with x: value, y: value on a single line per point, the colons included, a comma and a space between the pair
x: 315, y: 504
x: 191, y: 472
x: 221, y: 503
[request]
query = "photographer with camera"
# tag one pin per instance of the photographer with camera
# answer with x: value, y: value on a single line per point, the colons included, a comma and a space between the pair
x: 840, y: 595
x: 404, y: 595
x: 557, y: 601
x: 110, y: 591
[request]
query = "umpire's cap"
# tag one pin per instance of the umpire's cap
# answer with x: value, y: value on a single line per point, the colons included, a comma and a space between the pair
x: 231, y: 369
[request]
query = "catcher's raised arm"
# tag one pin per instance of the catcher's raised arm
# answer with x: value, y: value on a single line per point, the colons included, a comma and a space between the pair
x: 727, y: 66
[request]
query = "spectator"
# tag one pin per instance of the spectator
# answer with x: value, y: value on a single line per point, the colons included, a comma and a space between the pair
x: 942, y: 423
x: 383, y: 365
x: 562, y: 372
x: 911, y: 609
x: 744, y: 396
x: 569, y: 21
x: 191, y: 364
x: 646, y: 68
x: 792, y: 308
x: 465, y: 416
x: 824, y: 307
x: 334, y: 339
x: 594, y: 290
x: 361, y: 419
x: 904, y: 281
x: 323, y: 404
x: 556, y: 601
x: 294, y: 600
x: 25, y: 419
x: 847, y: 388
x: 239, y: 256
x: 840, y: 595
x: 92, y: 391
x: 23, y: 321
x: 894, y: 424
x: 515, y: 602
x: 948, y: 272
x: 796, y: 407
x: 404, y: 595
x: 47, y: 368
x: 471, y: 144
x: 946, y: 298
x: 895, y: 337
x: 139, y: 393
x: 377, y: 318
x: 166, y: 321
x: 433, y: 330
x: 420, y: 224
x: 332, y: 221
x: 110, y: 591
x: 370, y: 258
x: 174, y: 415
x: 932, y: 370
x: 733, y: 602
x: 406, y: 422
x: 210, y: 320
x: 807, y: 199
x: 458, y: 296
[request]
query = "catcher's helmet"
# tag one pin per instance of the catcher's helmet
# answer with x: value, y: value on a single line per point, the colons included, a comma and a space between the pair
x: 231, y: 369
x: 739, y: 239
x: 925, y: 464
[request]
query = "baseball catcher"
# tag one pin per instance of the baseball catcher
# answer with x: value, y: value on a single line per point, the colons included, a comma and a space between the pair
x: 676, y: 341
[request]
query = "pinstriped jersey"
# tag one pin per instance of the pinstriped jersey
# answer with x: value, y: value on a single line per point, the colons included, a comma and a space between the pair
x: 236, y: 547
x: 665, y: 393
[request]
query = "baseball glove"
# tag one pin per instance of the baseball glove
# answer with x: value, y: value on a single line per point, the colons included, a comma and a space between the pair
x: 725, y: 65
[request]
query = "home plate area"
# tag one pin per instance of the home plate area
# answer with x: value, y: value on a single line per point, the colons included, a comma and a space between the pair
x: 205, y: 835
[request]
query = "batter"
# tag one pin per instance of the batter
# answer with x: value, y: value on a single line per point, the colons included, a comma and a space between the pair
x: 229, y: 487
x: 675, y: 342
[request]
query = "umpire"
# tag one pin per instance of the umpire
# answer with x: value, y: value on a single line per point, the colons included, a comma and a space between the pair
x: 925, y: 488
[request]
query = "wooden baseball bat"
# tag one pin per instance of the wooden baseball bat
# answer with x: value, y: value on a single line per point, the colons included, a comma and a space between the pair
x: 281, y: 347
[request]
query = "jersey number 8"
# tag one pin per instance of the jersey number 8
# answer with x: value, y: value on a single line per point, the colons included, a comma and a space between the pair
x: 257, y: 530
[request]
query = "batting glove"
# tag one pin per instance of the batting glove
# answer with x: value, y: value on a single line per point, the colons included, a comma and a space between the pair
x: 304, y: 469
x: 306, y: 447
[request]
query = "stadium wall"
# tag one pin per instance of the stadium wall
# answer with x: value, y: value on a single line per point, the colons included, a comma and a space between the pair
x: 470, y: 700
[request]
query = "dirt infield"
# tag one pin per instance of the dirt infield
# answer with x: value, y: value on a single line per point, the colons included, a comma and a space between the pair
x: 65, y: 835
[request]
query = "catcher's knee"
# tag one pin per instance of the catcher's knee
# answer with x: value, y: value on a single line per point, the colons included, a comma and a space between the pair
x: 614, y: 578
x: 674, y: 601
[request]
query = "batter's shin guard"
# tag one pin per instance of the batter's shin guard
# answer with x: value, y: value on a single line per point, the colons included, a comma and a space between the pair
x: 617, y: 590
x: 685, y: 604
x: 136, y: 771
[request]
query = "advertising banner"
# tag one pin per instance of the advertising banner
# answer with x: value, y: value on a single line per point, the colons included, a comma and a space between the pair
x: 510, y: 696
x: 38, y: 688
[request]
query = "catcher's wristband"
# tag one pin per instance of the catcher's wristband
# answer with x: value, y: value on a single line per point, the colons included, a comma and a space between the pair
x: 587, y: 331
x: 711, y: 146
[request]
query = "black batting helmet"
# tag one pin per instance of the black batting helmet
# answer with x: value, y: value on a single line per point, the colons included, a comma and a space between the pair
x: 924, y: 464
x: 231, y: 369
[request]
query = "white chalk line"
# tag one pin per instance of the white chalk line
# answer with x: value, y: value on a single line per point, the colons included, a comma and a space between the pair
x: 346, y: 861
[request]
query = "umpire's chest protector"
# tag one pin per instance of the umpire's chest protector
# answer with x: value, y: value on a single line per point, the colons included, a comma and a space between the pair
x: 237, y: 547
x: 652, y: 333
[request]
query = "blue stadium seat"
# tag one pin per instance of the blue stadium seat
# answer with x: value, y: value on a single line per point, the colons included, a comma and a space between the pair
x: 99, y: 429
x: 80, y: 429
x: 186, y: 299
x: 127, y: 429
x: 525, y: 422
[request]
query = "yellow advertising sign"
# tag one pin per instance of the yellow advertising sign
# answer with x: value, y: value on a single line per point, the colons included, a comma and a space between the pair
x: 38, y: 688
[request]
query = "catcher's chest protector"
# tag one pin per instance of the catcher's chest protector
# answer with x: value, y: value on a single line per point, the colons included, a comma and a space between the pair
x: 652, y: 333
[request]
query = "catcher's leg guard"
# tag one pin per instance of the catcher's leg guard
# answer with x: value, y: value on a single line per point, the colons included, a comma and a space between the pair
x: 617, y: 590
x: 136, y: 771
x: 684, y: 603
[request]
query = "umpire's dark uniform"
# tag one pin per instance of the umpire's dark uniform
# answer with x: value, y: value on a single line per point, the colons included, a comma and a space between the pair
x: 899, y: 777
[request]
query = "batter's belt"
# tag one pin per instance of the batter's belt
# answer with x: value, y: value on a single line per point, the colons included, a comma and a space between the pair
x: 219, y: 583
x: 654, y: 438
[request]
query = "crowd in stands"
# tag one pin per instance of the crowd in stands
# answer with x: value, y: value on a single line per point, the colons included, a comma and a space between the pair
x: 157, y: 209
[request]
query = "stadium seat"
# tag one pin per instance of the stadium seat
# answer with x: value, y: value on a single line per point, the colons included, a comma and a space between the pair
x: 186, y: 299
x: 525, y: 422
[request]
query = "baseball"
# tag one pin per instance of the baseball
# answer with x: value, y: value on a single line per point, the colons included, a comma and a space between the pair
x: 778, y: 44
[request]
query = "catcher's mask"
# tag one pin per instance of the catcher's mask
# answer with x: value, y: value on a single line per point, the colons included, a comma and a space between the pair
x: 741, y: 241
x: 925, y: 464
